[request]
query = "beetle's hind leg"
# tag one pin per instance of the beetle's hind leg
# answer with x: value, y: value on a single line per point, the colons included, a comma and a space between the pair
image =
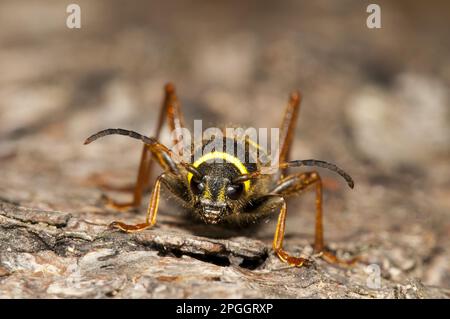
x: 294, y: 184
x: 170, y: 110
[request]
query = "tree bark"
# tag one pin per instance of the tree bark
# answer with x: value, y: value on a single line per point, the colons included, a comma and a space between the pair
x: 53, y: 254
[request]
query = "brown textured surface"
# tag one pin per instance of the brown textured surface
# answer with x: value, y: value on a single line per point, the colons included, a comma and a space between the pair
x: 375, y: 102
x: 75, y: 257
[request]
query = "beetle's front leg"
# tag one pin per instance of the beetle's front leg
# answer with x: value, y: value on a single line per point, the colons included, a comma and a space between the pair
x: 265, y: 206
x: 278, y: 241
x: 174, y: 184
x: 152, y: 212
x: 295, y: 184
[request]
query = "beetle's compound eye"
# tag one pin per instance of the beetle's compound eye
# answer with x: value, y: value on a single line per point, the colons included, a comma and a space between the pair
x: 235, y: 191
x: 197, y: 187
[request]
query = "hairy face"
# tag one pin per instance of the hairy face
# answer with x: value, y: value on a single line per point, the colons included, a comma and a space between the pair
x: 215, y: 197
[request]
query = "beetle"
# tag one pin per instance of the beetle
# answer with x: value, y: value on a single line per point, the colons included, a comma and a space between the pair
x: 221, y: 188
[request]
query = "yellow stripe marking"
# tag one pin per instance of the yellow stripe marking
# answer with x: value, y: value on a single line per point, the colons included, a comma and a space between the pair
x: 226, y: 157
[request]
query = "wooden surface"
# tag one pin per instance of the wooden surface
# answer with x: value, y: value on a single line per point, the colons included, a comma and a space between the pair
x: 55, y: 254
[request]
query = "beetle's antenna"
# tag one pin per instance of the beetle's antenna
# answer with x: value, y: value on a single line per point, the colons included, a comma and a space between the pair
x: 297, y: 163
x: 191, y: 169
x: 148, y: 141
x: 111, y: 131
x: 323, y: 164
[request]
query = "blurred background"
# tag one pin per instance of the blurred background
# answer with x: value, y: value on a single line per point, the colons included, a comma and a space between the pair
x: 376, y: 102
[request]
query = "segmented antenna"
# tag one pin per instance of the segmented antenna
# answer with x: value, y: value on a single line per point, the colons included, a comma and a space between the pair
x: 111, y: 131
x: 323, y: 164
x: 297, y: 163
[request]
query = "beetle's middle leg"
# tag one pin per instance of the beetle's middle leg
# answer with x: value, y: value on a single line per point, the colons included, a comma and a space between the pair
x: 294, y: 184
x: 170, y: 110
